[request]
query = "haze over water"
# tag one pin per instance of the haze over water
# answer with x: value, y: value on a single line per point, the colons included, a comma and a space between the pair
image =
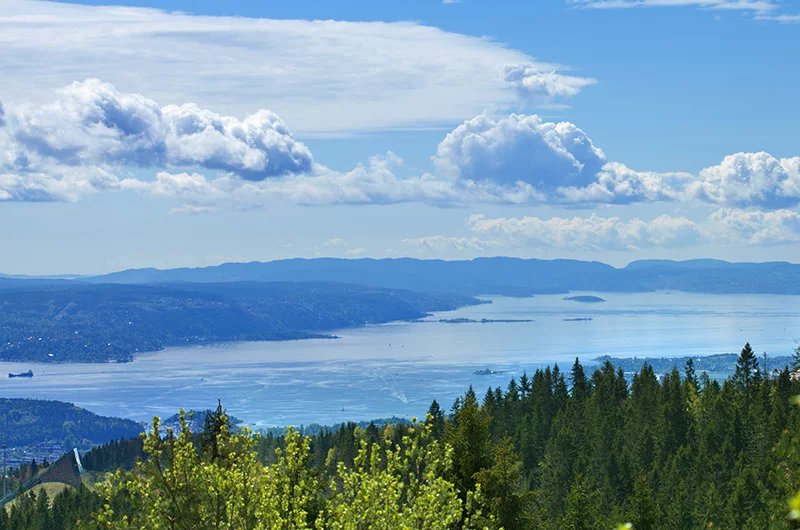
x: 396, y: 369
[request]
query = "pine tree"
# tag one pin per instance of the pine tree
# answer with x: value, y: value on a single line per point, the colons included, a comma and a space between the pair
x: 469, y: 437
x: 643, y: 513
x: 502, y: 486
x: 215, y: 427
x: 689, y: 373
x: 580, y: 388
x: 524, y: 385
x: 582, y: 510
x: 747, y: 373
x: 435, y: 418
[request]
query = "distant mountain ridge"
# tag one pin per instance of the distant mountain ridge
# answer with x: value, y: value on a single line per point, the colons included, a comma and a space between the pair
x: 497, y: 275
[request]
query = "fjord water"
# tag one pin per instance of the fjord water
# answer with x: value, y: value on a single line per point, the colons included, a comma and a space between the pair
x: 396, y: 369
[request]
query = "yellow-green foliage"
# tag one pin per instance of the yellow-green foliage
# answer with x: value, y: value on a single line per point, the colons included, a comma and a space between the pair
x: 794, y: 505
x: 180, y: 487
x: 397, y: 488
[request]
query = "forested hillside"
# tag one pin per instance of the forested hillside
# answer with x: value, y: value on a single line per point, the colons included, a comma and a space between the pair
x: 552, y: 451
x: 26, y: 422
x: 67, y: 322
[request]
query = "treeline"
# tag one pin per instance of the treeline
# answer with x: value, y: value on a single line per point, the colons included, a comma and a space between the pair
x: 67, y: 510
x: 74, y: 322
x: 116, y: 454
x: 552, y: 451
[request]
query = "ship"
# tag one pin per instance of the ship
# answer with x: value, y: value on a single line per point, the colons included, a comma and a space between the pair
x: 29, y: 373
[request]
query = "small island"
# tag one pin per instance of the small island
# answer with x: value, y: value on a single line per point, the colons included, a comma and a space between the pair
x: 585, y: 299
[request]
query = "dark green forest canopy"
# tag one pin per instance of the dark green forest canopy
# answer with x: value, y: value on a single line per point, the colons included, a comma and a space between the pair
x: 552, y: 450
x: 69, y: 322
x: 25, y: 422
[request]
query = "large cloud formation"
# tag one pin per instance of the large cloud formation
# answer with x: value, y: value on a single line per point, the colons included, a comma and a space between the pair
x: 520, y: 148
x: 80, y: 143
x: 324, y: 77
x: 93, y: 123
x: 77, y: 144
x: 751, y: 179
x: 560, y: 164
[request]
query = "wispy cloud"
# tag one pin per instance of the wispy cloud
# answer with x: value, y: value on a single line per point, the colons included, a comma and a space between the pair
x: 544, y: 85
x: 595, y: 233
x: 441, y: 244
x: 771, y: 10
x: 784, y: 19
x: 754, y: 6
x: 324, y: 77
x: 589, y: 233
x: 335, y: 242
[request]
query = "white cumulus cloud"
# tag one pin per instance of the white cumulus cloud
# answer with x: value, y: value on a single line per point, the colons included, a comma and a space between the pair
x: 558, y: 163
x: 755, y: 227
x: 92, y: 123
x: 79, y: 143
x: 92, y: 135
x: 520, y: 148
x: 751, y: 179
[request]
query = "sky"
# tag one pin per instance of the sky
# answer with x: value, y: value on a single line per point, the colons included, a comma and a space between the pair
x: 167, y: 133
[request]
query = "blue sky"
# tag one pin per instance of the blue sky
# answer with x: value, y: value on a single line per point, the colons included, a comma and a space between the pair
x: 592, y: 130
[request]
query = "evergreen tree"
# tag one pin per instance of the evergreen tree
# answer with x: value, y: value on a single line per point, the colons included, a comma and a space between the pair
x: 643, y: 509
x: 216, y: 426
x: 689, y: 373
x: 468, y: 435
x: 747, y: 373
x: 667, y: 453
x: 436, y: 420
x: 580, y: 387
x: 502, y: 488
x: 582, y: 507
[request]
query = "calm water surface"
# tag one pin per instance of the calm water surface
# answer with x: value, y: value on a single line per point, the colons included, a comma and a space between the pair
x: 397, y: 369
